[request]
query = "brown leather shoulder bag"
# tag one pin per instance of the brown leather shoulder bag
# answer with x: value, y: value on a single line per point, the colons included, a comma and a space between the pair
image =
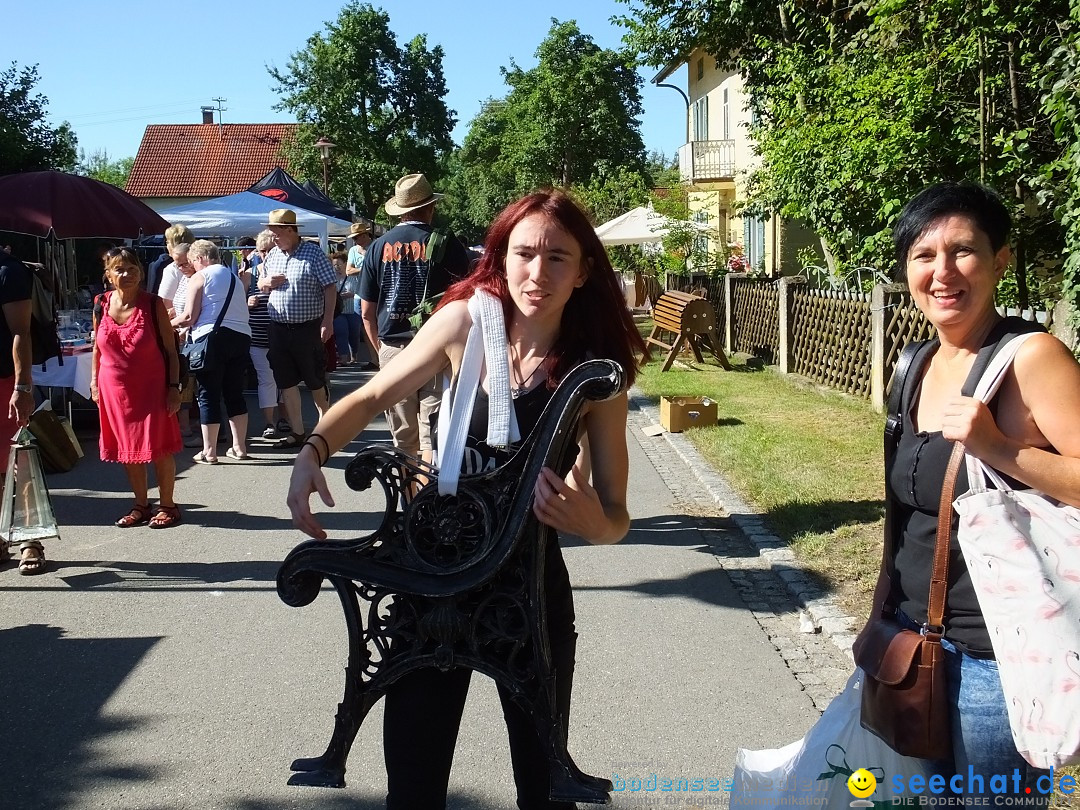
x: 905, y: 699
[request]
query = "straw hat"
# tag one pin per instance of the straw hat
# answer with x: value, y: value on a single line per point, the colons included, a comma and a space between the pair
x: 411, y: 192
x: 358, y: 228
x: 282, y: 216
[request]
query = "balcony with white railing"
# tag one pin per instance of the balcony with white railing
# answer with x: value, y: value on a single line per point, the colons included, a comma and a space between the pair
x: 706, y: 160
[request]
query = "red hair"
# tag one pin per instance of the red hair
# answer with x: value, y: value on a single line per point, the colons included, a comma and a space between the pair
x: 595, y: 322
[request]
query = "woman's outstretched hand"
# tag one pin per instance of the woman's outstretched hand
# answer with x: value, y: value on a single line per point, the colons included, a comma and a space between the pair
x: 569, y: 509
x: 307, y: 478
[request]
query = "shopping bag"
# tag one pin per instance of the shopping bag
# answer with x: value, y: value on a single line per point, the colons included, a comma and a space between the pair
x: 1022, y: 549
x: 59, y: 449
x: 814, y: 771
x: 1023, y: 553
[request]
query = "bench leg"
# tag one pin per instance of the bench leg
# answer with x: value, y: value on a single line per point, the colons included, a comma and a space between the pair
x: 673, y: 353
x: 697, y: 352
x: 714, y: 344
x: 328, y: 770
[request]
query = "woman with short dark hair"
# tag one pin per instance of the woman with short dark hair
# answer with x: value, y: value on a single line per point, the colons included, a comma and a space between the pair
x: 952, y: 250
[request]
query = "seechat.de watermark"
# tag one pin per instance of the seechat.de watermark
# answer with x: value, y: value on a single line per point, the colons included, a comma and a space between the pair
x: 974, y: 789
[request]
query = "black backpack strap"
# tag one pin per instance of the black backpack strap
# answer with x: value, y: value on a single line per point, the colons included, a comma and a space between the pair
x: 1004, y: 331
x: 906, y: 376
x: 908, y: 373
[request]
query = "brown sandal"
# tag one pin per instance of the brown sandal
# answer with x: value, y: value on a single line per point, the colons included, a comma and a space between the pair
x: 166, y: 517
x: 139, y: 514
x: 32, y: 565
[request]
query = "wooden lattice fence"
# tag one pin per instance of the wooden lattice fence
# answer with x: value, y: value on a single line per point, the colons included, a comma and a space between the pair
x: 755, y: 309
x: 831, y: 334
x: 902, y: 323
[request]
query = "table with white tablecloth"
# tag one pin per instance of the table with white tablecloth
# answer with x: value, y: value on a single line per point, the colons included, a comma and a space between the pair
x: 75, y: 373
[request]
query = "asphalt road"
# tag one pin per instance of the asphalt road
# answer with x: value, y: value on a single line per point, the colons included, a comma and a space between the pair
x: 159, y: 669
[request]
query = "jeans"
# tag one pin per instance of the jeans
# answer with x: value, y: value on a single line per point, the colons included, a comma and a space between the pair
x: 982, y: 740
x: 349, y: 336
x: 265, y: 375
x: 225, y: 378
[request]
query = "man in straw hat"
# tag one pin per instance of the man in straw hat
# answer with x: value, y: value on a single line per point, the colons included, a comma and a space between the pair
x: 302, y: 286
x: 360, y: 234
x: 351, y: 335
x: 397, y: 275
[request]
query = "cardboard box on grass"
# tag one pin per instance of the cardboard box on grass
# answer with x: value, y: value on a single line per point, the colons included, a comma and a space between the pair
x: 679, y: 413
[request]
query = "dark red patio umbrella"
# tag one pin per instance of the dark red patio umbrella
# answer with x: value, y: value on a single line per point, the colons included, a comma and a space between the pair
x: 68, y: 206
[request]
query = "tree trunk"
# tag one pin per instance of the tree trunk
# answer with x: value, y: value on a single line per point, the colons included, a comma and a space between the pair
x: 830, y: 259
x: 1023, y: 298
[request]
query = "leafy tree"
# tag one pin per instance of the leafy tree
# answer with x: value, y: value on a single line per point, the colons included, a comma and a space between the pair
x: 1061, y: 191
x: 381, y: 104
x: 860, y: 105
x: 27, y: 142
x: 98, y: 166
x: 571, y: 120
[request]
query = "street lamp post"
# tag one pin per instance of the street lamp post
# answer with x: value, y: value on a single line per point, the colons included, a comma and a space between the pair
x: 324, y: 146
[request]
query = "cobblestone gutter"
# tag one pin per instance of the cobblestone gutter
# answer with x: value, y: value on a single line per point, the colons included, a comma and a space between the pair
x: 805, y: 625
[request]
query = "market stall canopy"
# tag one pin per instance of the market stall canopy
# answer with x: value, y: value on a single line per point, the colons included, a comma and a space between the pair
x: 245, y: 214
x: 68, y: 206
x: 640, y: 226
x: 281, y: 186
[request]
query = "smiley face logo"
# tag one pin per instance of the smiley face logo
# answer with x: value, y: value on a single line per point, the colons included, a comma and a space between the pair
x: 861, y: 783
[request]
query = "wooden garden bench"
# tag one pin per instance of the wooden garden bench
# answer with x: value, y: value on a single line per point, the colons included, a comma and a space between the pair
x: 692, y: 319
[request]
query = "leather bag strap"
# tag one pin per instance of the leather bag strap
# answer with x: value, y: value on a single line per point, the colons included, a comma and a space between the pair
x: 908, y: 367
x: 939, y: 576
x: 228, y: 298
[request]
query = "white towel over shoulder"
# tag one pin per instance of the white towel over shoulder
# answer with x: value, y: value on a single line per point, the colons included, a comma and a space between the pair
x: 484, y: 348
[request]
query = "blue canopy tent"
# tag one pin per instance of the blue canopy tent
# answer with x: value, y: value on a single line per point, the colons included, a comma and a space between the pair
x: 245, y: 214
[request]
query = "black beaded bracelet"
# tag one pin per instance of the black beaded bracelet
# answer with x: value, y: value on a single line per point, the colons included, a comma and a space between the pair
x: 315, y: 447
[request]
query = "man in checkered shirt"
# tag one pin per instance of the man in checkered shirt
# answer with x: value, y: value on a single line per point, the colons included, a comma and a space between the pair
x: 302, y: 286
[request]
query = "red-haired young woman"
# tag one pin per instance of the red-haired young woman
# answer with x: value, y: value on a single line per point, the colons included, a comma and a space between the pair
x: 562, y: 305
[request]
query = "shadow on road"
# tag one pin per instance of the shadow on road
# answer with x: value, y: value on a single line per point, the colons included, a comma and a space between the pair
x: 51, y: 721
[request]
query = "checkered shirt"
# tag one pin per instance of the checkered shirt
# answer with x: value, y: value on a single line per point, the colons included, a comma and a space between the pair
x: 308, y: 271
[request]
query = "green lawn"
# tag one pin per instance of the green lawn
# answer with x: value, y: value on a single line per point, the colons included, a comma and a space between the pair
x: 809, y: 458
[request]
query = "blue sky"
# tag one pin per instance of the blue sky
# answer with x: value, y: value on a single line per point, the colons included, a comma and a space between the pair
x: 112, y: 69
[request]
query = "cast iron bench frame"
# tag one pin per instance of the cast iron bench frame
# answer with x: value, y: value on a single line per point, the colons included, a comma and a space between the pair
x: 451, y: 582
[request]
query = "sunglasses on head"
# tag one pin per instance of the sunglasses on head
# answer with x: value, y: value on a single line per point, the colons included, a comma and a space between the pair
x: 118, y: 251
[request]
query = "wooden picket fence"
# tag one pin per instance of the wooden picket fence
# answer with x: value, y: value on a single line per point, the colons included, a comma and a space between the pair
x: 848, y: 341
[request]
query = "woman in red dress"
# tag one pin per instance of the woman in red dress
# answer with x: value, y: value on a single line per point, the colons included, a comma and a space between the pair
x: 136, y: 386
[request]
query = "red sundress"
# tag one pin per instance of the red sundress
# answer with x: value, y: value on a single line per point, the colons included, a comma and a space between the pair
x: 136, y: 425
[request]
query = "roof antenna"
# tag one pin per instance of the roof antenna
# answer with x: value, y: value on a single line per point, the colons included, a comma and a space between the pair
x: 220, y: 120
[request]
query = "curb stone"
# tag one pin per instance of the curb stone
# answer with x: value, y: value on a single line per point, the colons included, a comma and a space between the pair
x: 776, y: 556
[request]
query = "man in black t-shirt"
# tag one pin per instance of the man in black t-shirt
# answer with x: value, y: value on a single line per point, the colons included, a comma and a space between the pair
x: 16, y: 385
x: 395, y: 277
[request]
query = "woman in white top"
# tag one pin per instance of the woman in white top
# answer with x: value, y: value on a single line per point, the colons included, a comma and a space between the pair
x: 208, y: 298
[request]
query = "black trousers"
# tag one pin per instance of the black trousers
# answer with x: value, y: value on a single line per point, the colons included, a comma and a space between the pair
x: 423, y: 713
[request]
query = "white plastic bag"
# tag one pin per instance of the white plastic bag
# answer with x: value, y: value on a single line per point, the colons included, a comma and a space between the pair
x: 814, y: 771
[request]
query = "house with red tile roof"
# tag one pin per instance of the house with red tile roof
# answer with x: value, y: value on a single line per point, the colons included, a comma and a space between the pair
x: 178, y: 164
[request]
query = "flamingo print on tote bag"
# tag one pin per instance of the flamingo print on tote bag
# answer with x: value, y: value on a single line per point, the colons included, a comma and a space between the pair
x: 1023, y: 551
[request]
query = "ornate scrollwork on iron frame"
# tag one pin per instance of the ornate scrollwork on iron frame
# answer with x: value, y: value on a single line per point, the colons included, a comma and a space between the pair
x: 451, y: 581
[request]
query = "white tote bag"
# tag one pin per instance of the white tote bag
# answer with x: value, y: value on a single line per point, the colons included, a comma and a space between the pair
x: 814, y: 771
x: 1023, y: 551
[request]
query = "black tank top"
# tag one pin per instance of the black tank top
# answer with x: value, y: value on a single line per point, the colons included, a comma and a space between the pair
x: 915, y: 482
x: 479, y: 455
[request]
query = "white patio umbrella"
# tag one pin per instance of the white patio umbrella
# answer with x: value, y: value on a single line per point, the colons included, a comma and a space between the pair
x: 640, y: 226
